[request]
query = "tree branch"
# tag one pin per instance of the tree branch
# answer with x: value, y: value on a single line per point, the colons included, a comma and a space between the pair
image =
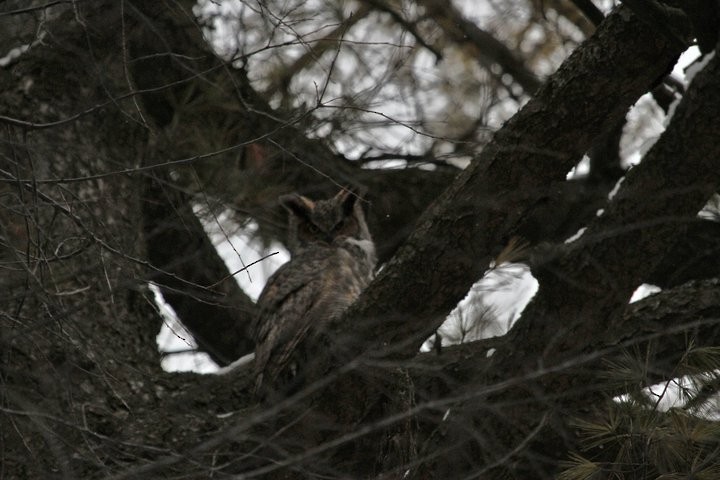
x: 584, y: 289
x: 489, y: 49
x: 491, y: 199
x: 192, y: 277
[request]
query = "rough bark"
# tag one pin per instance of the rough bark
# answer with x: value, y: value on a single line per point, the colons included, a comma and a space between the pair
x: 83, y: 395
x: 490, y: 201
x: 78, y: 326
x: 583, y: 293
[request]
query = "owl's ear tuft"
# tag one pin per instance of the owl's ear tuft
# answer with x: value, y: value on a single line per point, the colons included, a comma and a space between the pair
x: 297, y: 204
x: 347, y: 198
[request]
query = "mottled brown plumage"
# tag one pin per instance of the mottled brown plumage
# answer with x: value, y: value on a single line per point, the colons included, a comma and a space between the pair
x: 332, y: 261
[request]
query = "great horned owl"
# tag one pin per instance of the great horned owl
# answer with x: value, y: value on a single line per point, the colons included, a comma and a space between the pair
x: 332, y: 260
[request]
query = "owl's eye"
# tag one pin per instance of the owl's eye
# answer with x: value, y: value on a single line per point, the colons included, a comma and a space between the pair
x: 312, y: 228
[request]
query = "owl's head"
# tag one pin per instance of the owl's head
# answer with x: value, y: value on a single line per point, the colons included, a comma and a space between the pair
x: 328, y: 222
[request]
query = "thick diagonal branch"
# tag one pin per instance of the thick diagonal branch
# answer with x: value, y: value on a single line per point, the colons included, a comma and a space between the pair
x: 490, y: 201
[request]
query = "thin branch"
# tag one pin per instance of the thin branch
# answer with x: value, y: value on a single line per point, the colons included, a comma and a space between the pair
x: 489, y: 50
x: 313, y: 54
x: 382, y: 6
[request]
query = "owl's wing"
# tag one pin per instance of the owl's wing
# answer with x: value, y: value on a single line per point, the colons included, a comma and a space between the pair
x: 281, y: 332
x: 286, y: 313
x: 281, y: 292
x: 283, y: 325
